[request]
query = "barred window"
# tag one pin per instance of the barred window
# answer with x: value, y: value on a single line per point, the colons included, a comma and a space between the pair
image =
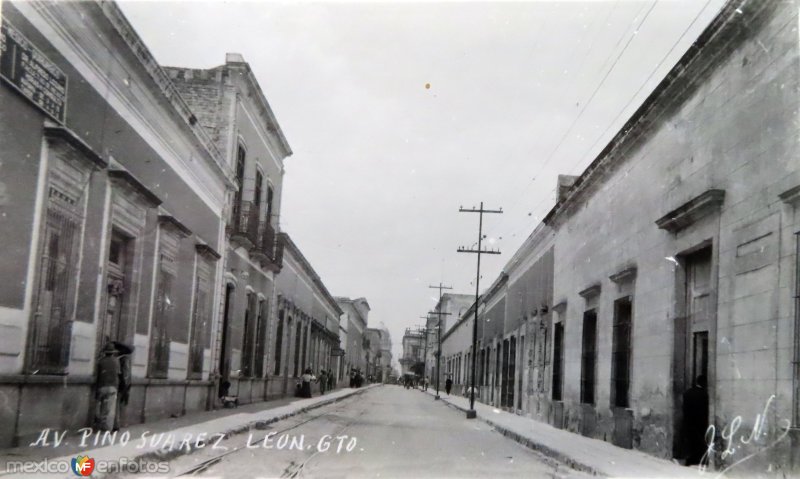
x: 261, y: 338
x: 164, y: 307
x: 558, y: 361
x: 248, y: 336
x: 588, y: 356
x: 621, y: 353
x: 278, y: 343
x: 56, y: 282
x: 55, y: 298
x: 201, y: 317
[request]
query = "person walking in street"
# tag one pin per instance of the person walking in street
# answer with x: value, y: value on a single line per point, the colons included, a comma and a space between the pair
x: 108, y: 375
x: 305, y: 387
x: 331, y: 380
x: 425, y: 383
x: 448, y: 385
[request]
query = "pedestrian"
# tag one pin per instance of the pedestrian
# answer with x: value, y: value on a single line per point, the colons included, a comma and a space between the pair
x: 125, y: 353
x: 108, y: 374
x: 331, y: 380
x: 448, y: 385
x: 306, y: 378
x: 695, y: 421
x: 323, y: 381
x: 426, y: 383
x: 352, y: 378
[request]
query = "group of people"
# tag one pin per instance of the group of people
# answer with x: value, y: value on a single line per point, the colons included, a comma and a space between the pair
x: 113, y: 385
x: 356, y: 378
x: 325, y: 379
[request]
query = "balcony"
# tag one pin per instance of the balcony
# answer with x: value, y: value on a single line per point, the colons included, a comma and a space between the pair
x: 243, y: 227
x: 264, y: 250
x: 272, y: 249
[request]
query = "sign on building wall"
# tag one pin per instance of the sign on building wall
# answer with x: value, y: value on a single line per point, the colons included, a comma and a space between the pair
x: 31, y: 73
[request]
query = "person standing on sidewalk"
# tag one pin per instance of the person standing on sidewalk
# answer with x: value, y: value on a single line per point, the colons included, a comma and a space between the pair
x: 125, y: 353
x: 108, y: 375
x: 448, y: 385
x: 323, y: 381
x: 305, y: 388
x: 331, y: 380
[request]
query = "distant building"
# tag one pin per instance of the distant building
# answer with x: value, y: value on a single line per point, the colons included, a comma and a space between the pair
x: 413, y: 352
x: 307, y: 330
x: 354, y: 319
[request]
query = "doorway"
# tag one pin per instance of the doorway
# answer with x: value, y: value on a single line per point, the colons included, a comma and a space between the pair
x: 114, y: 326
x: 224, y: 350
x: 695, y: 324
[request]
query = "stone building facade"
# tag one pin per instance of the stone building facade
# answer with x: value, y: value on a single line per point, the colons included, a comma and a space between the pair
x: 673, y: 256
x: 112, y: 225
x: 354, y: 320
x: 232, y: 108
x: 674, y: 250
x: 306, y: 332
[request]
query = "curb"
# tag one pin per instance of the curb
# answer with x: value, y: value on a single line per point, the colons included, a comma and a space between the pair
x: 241, y: 428
x: 533, y: 444
x: 167, y: 455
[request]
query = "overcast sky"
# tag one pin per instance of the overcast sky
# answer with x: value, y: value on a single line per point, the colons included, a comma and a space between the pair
x: 399, y: 113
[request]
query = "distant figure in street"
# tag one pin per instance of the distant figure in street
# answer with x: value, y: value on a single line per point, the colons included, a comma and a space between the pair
x: 108, y: 374
x: 359, y: 379
x: 323, y: 381
x: 331, y: 381
x: 448, y: 385
x: 425, y: 383
x: 695, y: 421
x: 352, y: 379
x: 305, y: 387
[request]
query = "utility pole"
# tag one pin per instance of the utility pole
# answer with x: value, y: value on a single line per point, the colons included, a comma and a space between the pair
x: 424, y: 331
x: 471, y: 414
x: 439, y: 334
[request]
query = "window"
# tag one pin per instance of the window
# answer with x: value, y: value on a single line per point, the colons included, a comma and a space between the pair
x: 248, y: 336
x: 164, y: 307
x: 200, y: 317
x: 269, y: 205
x: 297, y: 338
x: 257, y: 191
x: 261, y: 337
x: 278, y: 344
x: 588, y: 356
x: 55, y: 297
x: 558, y: 360
x: 305, y: 347
x: 621, y: 353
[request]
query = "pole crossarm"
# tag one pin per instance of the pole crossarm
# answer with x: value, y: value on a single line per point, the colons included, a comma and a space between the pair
x: 461, y: 249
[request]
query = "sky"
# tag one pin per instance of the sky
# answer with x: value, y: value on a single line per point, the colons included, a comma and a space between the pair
x: 399, y: 113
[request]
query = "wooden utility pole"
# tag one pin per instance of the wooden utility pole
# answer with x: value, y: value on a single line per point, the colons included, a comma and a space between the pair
x: 439, y: 334
x: 471, y: 414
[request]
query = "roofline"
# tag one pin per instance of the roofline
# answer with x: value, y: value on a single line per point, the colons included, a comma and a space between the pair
x: 726, y: 17
x: 310, y: 271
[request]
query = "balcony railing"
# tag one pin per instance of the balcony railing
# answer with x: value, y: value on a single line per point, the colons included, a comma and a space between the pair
x: 244, y: 224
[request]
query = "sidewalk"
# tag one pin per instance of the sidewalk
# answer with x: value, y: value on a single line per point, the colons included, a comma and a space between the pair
x: 581, y: 453
x: 169, y: 438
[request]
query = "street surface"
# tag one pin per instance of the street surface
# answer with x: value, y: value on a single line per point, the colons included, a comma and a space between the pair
x: 390, y: 432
